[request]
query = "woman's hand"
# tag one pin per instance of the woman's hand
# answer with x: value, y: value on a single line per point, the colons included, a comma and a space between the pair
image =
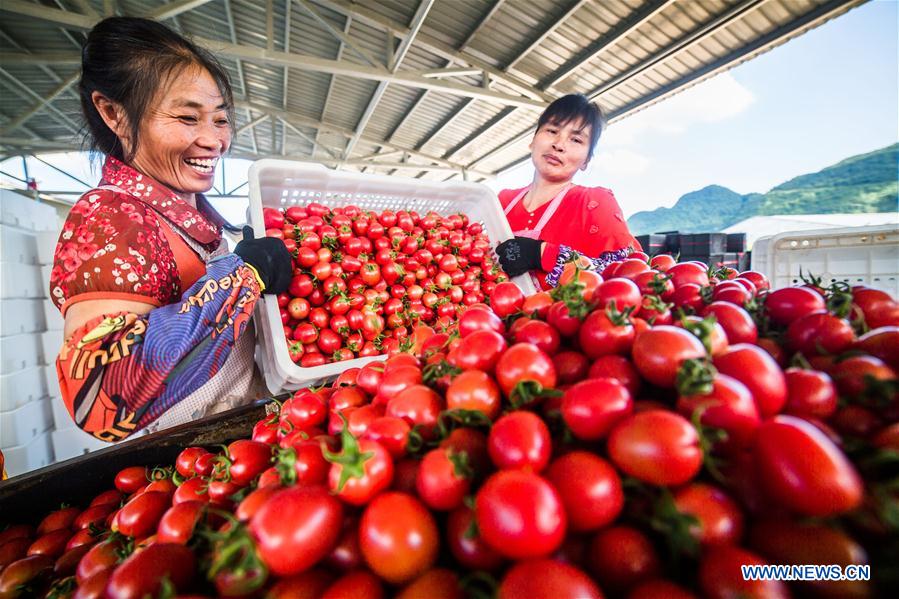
x: 519, y: 255
x: 269, y: 257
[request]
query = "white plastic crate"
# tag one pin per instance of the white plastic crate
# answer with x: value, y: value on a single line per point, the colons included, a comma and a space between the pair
x: 52, y: 317
x: 73, y: 442
x: 22, y: 211
x: 51, y: 343
x: 24, y: 458
x: 20, y: 426
x: 46, y: 245
x: 19, y: 388
x: 19, y: 316
x: 61, y: 418
x: 856, y: 255
x: 280, y: 183
x: 17, y: 245
x: 46, y: 269
x: 51, y: 381
x: 19, y: 280
x: 20, y: 352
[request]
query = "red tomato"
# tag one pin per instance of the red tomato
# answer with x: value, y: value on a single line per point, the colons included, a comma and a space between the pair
x: 856, y: 376
x: 803, y: 470
x: 479, y: 351
x: 398, y: 549
x: 360, y: 471
x: 881, y: 343
x: 618, y: 368
x: 622, y: 293
x: 520, y: 515
x: 721, y: 576
x: 589, y: 487
x: 95, y: 514
x: 52, y: 544
x: 621, y: 556
x: 524, y: 362
x: 479, y: 320
x: 605, y: 332
x: 506, y: 299
x: 736, y: 322
x: 19, y: 576
x: 659, y: 352
x: 783, y: 306
x: 466, y: 544
x: 520, y: 440
x: 547, y: 578
x: 541, y: 334
x: 718, y: 518
x: 61, y: 518
x: 727, y: 406
x: 688, y: 272
x: 131, y: 479
x: 186, y: 461
x: 178, y: 523
x: 444, y: 479
x: 474, y: 390
x: 246, y: 460
x: 145, y: 572
x: 296, y: 528
x: 657, y: 447
x: 193, y: 489
x: 592, y: 407
x: 755, y: 368
x: 355, y: 585
x: 820, y: 332
x: 419, y: 406
x: 140, y: 516
x: 810, y: 393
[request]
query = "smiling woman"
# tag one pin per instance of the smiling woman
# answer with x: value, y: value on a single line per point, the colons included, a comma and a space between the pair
x: 552, y: 218
x: 157, y: 312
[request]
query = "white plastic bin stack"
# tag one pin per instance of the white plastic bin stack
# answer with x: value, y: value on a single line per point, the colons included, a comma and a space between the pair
x: 26, y: 415
x: 35, y: 428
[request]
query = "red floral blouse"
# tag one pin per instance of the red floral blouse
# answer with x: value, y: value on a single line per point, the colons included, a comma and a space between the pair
x: 112, y: 245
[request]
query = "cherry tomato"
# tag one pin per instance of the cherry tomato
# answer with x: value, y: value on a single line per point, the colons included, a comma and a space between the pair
x: 140, y: 516
x: 621, y: 556
x: 721, y: 575
x: 783, y: 306
x: 659, y: 352
x: 520, y: 440
x: 758, y: 371
x: 398, y: 549
x: 803, y: 470
x: 590, y: 489
x: 524, y: 362
x: 296, y: 528
x: 520, y: 514
x: 444, y: 479
x: 131, y: 479
x: 718, y: 518
x: 146, y: 571
x: 657, y: 447
x: 592, y: 407
x: 547, y: 578
x: 810, y: 393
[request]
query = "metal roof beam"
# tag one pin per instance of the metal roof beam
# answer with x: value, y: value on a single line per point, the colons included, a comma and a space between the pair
x: 490, y: 13
x: 42, y: 103
x: 59, y: 116
x: 627, y: 26
x: 173, y: 9
x: 346, y: 29
x: 344, y: 37
x: 249, y: 126
x: 45, y: 13
x: 434, y: 45
x: 420, y: 15
x: 617, y: 33
x: 449, y: 72
x: 573, y: 8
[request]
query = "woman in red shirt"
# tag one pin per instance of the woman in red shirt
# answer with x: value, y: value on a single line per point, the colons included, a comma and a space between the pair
x: 552, y: 218
x: 157, y: 310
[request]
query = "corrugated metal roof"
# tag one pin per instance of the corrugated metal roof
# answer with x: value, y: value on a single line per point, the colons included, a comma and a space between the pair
x: 465, y: 95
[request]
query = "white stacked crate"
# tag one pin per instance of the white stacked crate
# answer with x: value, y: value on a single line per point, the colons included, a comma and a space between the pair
x: 26, y: 415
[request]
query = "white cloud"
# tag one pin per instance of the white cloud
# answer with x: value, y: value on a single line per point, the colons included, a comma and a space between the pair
x: 715, y: 100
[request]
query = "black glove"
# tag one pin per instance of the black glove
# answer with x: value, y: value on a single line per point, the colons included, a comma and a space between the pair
x: 519, y: 255
x: 270, y: 258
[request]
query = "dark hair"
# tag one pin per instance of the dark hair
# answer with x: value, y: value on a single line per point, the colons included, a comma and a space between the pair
x: 577, y: 108
x: 128, y: 59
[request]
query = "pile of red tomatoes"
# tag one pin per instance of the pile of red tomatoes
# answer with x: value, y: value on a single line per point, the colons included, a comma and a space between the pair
x: 364, y: 281
x: 641, y: 432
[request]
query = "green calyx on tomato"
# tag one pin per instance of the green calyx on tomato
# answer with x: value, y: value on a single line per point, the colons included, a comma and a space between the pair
x: 528, y: 392
x: 572, y: 294
x: 350, y: 457
x: 695, y: 377
x: 235, y: 568
x: 434, y: 372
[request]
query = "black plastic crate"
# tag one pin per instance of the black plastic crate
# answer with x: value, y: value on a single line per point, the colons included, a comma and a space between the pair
x: 736, y: 242
x: 653, y: 244
x: 703, y: 244
x: 716, y: 260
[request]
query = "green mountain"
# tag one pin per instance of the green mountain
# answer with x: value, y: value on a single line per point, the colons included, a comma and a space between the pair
x: 863, y: 183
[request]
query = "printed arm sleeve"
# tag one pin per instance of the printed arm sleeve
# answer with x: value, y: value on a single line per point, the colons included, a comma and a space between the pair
x: 565, y: 255
x: 119, y: 372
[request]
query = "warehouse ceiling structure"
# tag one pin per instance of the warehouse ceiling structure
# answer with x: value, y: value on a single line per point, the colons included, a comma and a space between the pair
x: 428, y: 88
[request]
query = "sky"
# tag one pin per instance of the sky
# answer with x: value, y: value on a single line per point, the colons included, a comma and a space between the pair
x: 822, y: 97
